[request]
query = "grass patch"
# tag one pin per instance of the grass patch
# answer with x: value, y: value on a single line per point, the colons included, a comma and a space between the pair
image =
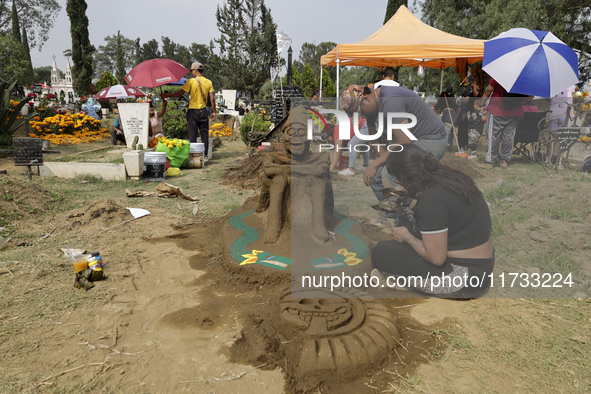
x: 541, y: 342
x: 496, y: 194
x: 541, y: 225
x: 557, y: 258
x: 503, y: 221
x: 231, y: 206
x: 561, y: 211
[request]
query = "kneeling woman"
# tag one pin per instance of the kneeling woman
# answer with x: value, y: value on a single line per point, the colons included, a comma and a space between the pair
x: 452, y: 234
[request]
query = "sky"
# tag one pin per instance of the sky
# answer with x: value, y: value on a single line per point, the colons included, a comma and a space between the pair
x: 188, y: 21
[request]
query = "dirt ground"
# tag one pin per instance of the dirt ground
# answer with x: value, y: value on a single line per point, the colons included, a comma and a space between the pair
x: 177, y: 315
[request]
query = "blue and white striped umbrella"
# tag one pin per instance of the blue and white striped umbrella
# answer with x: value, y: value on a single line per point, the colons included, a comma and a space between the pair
x: 531, y: 62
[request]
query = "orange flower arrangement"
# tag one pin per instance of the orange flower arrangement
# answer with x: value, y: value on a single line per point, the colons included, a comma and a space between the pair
x: 220, y: 130
x: 68, y: 129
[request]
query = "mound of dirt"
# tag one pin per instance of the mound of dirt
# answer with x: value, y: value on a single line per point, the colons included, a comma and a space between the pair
x: 245, y: 173
x: 461, y: 164
x: 102, y: 212
x: 19, y: 199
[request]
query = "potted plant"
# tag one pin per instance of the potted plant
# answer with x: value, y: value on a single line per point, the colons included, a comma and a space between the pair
x: 134, y: 160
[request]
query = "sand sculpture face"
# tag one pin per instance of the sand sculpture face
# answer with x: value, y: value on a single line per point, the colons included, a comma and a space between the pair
x: 295, y: 140
x: 316, y: 316
x: 337, y: 337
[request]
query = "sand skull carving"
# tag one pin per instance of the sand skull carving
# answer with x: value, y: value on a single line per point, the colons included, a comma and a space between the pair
x: 317, y: 316
x: 338, y: 337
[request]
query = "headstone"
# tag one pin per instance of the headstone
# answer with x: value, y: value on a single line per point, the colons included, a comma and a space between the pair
x: 293, y: 98
x: 229, y: 98
x: 567, y: 136
x: 28, y: 151
x: 135, y: 118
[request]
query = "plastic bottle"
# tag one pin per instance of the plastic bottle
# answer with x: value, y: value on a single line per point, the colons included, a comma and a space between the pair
x: 98, y: 257
x: 92, y: 263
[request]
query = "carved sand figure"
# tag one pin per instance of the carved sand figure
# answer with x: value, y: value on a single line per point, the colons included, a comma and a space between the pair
x: 300, y: 174
x: 338, y: 338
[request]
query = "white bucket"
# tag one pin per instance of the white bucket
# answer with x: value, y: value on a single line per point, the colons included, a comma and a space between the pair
x: 154, y: 166
x: 196, y: 150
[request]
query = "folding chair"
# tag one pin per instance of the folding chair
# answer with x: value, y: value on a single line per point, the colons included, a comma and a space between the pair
x: 527, y: 135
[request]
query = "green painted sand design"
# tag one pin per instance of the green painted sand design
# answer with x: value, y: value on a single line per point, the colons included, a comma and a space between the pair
x: 242, y: 255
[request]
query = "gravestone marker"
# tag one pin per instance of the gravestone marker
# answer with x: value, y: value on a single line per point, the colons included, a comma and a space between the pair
x: 28, y: 151
x: 134, y: 119
x: 567, y: 136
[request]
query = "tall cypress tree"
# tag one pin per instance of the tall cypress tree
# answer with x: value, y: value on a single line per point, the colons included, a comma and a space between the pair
x: 230, y: 21
x: 119, y: 60
x: 82, y: 50
x: 16, y: 30
x: 29, y: 74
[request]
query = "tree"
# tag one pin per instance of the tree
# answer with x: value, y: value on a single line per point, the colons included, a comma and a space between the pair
x: 261, y: 49
x: 29, y: 74
x: 119, y: 59
x: 296, y: 80
x: 105, y: 58
x: 43, y: 74
x: 11, y: 59
x: 309, y: 85
x: 268, y: 50
x: 36, y: 16
x: 16, y: 31
x: 311, y: 53
x: 137, y: 51
x: 392, y: 7
x: 328, y: 87
x: 107, y: 79
x: 569, y: 20
x: 82, y: 50
x: 230, y: 22
x: 176, y: 52
x: 357, y: 76
x: 150, y: 51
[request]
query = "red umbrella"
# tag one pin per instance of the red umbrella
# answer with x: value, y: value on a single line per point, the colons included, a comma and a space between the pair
x: 118, y: 92
x: 155, y: 72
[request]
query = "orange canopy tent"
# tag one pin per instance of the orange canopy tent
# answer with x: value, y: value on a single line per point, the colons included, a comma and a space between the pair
x: 406, y: 41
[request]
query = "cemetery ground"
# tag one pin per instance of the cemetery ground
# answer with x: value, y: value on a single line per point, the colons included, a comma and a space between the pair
x: 169, y: 316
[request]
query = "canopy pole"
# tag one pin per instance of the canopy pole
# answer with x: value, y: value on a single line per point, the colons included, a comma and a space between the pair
x: 321, y: 72
x: 280, y: 80
x: 441, y: 82
x: 338, y: 73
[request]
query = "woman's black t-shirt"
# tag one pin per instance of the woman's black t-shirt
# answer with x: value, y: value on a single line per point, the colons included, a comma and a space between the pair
x: 439, y: 210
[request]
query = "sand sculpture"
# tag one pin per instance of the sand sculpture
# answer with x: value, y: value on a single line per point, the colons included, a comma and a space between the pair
x: 340, y: 338
x: 296, y: 175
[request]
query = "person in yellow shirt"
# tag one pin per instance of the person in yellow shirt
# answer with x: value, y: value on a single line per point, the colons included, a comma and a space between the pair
x: 199, y: 88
